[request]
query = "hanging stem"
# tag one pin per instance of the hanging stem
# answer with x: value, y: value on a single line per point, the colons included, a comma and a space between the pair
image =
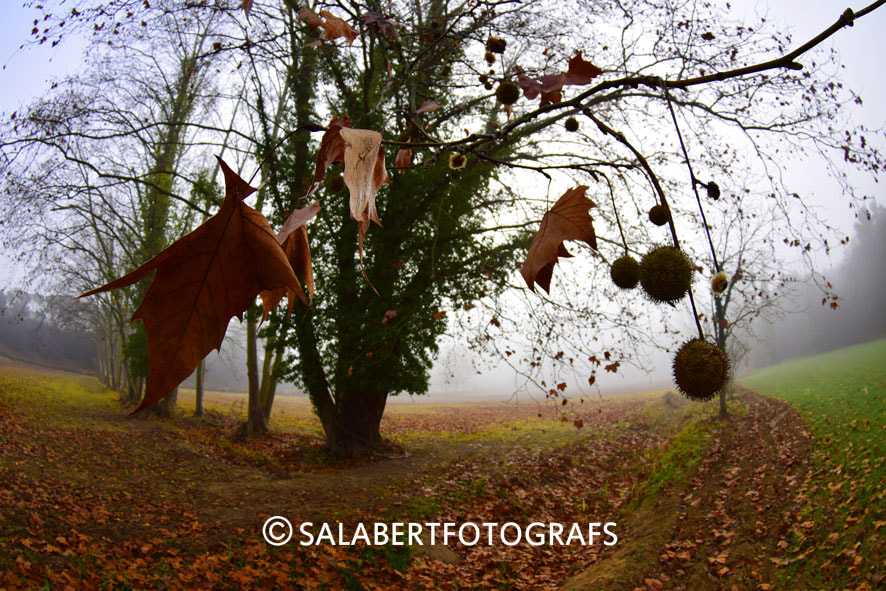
x: 617, y: 217
x: 704, y: 220
x: 664, y: 202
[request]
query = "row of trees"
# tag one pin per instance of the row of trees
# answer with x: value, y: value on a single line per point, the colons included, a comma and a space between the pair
x: 115, y: 163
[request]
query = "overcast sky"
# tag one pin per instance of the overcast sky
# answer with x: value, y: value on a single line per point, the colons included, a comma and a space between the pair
x: 26, y: 74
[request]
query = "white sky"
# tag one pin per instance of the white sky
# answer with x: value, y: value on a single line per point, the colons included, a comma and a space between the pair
x: 27, y: 73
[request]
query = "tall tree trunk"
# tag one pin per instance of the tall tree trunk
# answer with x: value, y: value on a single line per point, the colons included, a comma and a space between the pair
x: 255, y: 420
x: 198, y: 389
x: 268, y: 387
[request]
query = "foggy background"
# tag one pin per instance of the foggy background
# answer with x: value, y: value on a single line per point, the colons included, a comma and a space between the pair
x: 43, y: 329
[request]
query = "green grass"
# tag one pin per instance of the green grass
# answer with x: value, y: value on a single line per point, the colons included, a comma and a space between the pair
x: 842, y: 398
x: 677, y: 460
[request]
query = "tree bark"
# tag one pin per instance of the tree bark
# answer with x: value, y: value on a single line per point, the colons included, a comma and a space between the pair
x: 255, y: 419
x: 198, y: 389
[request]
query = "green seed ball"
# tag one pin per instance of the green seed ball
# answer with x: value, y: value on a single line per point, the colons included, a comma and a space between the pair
x: 665, y: 274
x: 571, y: 124
x: 658, y: 215
x: 625, y: 272
x: 507, y: 93
x: 700, y: 369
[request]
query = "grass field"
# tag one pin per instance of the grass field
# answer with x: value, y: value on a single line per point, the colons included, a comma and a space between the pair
x: 842, y: 397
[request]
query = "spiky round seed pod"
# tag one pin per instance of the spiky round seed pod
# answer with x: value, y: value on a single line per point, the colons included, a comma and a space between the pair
x: 507, y: 93
x: 336, y: 184
x: 700, y: 369
x: 489, y: 57
x: 488, y: 85
x: 625, y: 272
x: 571, y: 124
x: 713, y: 190
x: 457, y: 161
x: 719, y: 283
x: 483, y: 78
x: 495, y: 45
x: 665, y: 274
x: 658, y: 215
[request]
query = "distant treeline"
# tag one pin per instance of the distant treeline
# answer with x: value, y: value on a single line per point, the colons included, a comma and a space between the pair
x: 860, y: 314
x: 37, y: 330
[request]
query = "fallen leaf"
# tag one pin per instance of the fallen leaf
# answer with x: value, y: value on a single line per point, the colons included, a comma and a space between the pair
x: 201, y: 281
x: 567, y: 220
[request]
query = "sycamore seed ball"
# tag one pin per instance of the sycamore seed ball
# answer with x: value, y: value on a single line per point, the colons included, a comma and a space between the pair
x: 489, y: 57
x: 700, y: 369
x: 719, y: 283
x: 665, y: 274
x: 571, y: 124
x: 625, y: 272
x: 507, y: 93
x: 658, y: 215
x: 495, y: 45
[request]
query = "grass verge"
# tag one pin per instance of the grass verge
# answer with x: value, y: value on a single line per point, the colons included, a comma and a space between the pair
x: 842, y: 397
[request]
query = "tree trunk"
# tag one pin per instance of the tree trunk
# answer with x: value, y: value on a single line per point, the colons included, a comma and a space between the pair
x: 352, y: 424
x: 255, y: 420
x: 198, y: 389
x: 268, y: 387
x: 165, y: 409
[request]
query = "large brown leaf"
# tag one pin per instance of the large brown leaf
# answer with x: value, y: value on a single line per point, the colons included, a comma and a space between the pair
x: 201, y: 281
x: 567, y: 220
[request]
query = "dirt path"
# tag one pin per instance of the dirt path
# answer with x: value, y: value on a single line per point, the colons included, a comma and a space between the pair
x: 722, y: 530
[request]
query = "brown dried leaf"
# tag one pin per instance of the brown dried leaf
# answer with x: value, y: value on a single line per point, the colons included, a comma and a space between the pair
x: 310, y: 18
x: 404, y: 158
x: 428, y: 107
x: 567, y: 220
x: 336, y: 27
x: 364, y: 173
x: 201, y: 281
x: 580, y: 71
x: 332, y: 149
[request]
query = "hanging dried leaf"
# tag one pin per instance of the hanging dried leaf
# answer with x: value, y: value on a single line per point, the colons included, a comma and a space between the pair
x: 580, y: 71
x: 428, y: 107
x: 336, y: 27
x: 310, y: 18
x: 332, y: 149
x: 201, y: 281
x: 298, y: 252
x: 567, y: 220
x: 404, y: 158
x: 364, y: 173
x: 247, y: 7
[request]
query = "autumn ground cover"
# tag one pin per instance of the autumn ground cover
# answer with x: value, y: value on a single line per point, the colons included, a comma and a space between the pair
x: 842, y: 397
x: 91, y: 500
